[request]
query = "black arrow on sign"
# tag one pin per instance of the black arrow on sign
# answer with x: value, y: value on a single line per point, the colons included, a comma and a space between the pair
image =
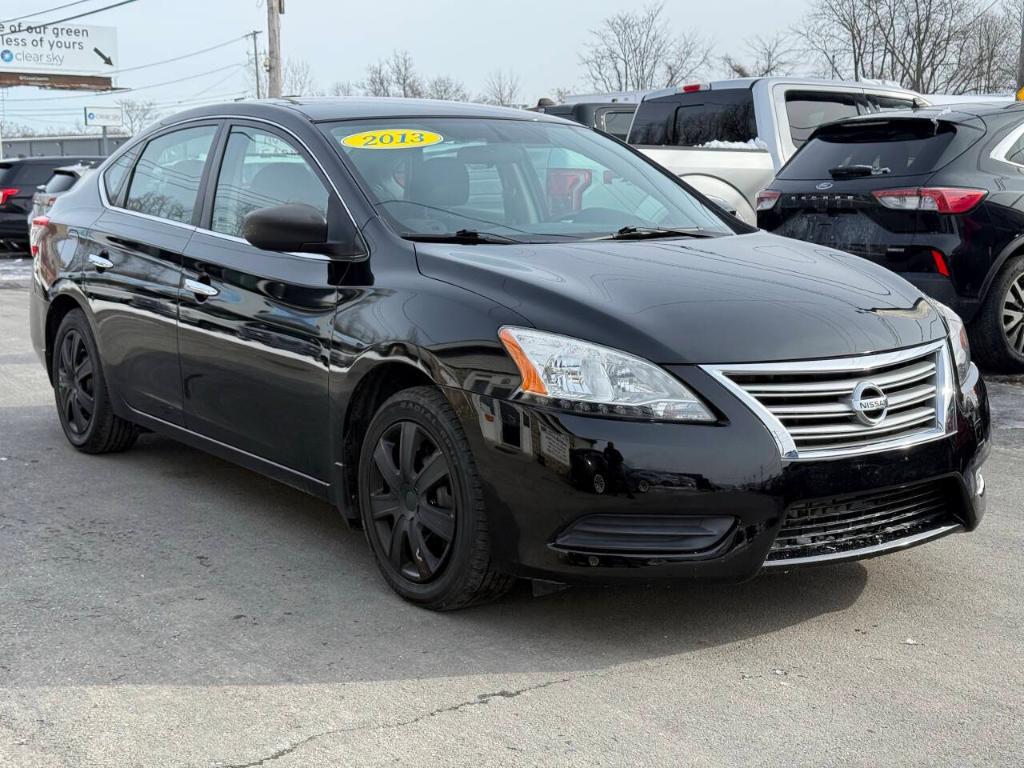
x: 106, y: 59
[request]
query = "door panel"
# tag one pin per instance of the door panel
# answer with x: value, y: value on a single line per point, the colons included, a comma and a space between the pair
x: 254, y: 325
x: 254, y: 355
x: 133, y: 267
x: 135, y: 302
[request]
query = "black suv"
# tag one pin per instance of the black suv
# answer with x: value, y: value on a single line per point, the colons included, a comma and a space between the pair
x: 19, y: 181
x: 935, y: 194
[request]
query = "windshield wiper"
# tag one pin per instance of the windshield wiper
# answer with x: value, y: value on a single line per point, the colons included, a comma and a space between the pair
x: 645, y: 233
x: 854, y: 171
x: 463, y: 236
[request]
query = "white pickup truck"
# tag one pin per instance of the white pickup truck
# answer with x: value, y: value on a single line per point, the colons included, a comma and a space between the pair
x: 728, y: 138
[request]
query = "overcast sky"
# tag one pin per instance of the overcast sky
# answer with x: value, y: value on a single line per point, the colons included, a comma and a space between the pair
x: 537, y: 39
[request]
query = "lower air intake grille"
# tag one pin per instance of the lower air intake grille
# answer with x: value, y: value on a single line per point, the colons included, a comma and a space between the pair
x: 859, y: 521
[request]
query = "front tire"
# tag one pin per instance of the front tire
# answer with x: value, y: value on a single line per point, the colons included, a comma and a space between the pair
x: 81, y: 394
x: 422, y: 506
x: 997, y: 333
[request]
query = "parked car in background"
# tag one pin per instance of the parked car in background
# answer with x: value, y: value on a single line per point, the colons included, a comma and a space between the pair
x: 387, y: 304
x: 934, y: 194
x: 727, y: 138
x: 61, y: 181
x: 611, y: 117
x: 19, y: 180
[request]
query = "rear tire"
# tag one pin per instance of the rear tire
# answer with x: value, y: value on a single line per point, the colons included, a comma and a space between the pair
x: 422, y: 505
x: 81, y: 394
x: 997, y: 333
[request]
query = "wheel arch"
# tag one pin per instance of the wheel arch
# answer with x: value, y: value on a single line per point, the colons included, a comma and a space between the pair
x: 375, y: 381
x: 1014, y: 248
x: 63, y: 302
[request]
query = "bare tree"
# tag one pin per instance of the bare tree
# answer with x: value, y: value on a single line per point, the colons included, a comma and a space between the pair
x: 378, y: 80
x: 137, y: 114
x: 343, y: 88
x: 636, y: 50
x: 403, y: 75
x: 447, y: 89
x: 561, y: 93
x: 501, y: 88
x: 932, y: 46
x: 298, y: 79
x: 766, y: 56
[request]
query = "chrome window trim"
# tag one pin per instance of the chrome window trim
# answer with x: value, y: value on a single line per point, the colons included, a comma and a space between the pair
x: 944, y: 417
x: 998, y: 152
x: 311, y: 256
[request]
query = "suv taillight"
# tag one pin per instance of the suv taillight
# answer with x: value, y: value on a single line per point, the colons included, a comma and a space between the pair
x: 766, y: 199
x: 938, y: 199
x: 35, y: 233
x: 6, y: 193
x: 566, y: 187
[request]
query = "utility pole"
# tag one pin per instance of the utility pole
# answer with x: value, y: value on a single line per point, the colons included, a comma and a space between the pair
x: 274, y: 10
x: 256, y: 60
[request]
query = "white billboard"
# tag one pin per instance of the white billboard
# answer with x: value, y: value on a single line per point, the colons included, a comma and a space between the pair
x: 106, y: 117
x: 61, y: 49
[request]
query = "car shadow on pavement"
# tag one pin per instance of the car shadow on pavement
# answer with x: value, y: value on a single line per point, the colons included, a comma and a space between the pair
x: 164, y: 565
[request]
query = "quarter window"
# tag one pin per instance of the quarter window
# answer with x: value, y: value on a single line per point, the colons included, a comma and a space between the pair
x: 1015, y: 154
x: 116, y: 175
x: 261, y: 170
x: 167, y: 176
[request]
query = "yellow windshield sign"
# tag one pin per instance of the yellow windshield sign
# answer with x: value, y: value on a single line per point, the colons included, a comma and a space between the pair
x: 392, y: 138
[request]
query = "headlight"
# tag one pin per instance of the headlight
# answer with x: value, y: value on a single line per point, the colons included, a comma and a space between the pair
x: 588, y: 378
x: 957, y: 339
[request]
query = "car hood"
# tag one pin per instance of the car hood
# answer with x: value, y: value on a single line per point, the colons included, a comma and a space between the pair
x: 742, y: 298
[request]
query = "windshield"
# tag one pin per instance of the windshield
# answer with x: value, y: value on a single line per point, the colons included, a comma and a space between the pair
x: 524, y: 180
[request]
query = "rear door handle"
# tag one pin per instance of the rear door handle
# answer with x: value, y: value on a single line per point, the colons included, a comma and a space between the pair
x: 201, y: 290
x: 100, y: 260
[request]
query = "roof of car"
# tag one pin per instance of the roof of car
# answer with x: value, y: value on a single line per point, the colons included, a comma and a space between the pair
x: 952, y: 113
x: 352, y: 108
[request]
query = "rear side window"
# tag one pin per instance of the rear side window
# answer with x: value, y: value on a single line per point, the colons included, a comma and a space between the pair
x: 166, y: 179
x: 806, y: 110
x: 616, y: 122
x: 7, y: 173
x: 889, y: 148
x: 61, y: 181
x: 694, y: 119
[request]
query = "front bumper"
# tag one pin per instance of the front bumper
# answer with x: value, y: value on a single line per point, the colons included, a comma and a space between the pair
x: 555, y: 504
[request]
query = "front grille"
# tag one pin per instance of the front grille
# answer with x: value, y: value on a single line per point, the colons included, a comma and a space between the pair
x: 812, y: 410
x: 845, y: 524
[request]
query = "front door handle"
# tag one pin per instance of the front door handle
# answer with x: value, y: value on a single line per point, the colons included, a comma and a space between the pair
x: 201, y: 290
x: 100, y: 261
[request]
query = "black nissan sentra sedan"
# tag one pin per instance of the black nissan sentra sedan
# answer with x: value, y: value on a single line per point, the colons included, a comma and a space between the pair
x: 503, y: 344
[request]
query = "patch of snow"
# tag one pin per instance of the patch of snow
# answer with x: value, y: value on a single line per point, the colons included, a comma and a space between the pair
x: 756, y: 143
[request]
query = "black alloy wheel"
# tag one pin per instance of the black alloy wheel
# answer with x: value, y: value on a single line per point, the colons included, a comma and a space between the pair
x: 422, y: 504
x: 1013, y: 314
x: 80, y: 391
x: 412, y: 502
x: 76, y: 395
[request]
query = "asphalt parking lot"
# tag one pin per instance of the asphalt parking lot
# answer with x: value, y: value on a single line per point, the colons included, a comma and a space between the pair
x: 165, y: 608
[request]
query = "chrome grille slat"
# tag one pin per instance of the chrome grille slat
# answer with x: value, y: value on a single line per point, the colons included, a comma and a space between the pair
x: 810, y: 407
x: 844, y: 525
x: 892, y: 515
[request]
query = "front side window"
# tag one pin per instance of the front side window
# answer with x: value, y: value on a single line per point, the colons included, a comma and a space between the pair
x: 166, y: 178
x: 521, y: 179
x: 261, y: 170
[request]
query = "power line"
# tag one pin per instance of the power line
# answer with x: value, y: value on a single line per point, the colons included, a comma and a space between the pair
x: 83, y: 15
x: 48, y: 10
x: 177, y: 58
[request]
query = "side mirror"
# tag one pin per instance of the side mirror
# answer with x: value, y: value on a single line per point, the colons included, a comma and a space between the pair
x: 298, y: 228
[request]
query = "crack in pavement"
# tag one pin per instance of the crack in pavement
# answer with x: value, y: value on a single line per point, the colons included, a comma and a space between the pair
x: 482, y: 698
